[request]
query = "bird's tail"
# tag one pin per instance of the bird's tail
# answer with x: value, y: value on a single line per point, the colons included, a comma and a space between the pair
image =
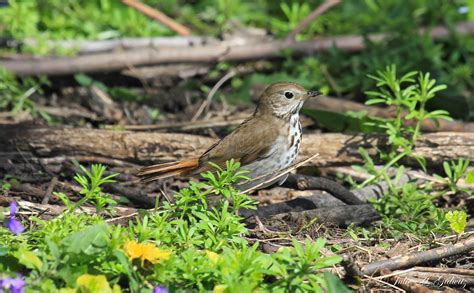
x: 165, y: 170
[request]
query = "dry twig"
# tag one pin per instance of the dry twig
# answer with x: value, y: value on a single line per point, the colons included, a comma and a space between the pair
x: 328, y: 4
x: 415, y: 258
x: 206, y: 104
x: 159, y: 16
x: 49, y: 191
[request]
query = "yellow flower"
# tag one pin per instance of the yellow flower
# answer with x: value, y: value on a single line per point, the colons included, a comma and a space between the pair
x: 214, y: 257
x: 132, y: 249
x: 220, y: 288
x: 145, y: 251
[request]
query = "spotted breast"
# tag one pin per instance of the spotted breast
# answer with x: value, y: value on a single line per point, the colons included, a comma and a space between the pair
x: 283, y: 154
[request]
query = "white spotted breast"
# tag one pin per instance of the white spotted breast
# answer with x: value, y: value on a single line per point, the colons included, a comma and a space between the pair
x: 282, y: 155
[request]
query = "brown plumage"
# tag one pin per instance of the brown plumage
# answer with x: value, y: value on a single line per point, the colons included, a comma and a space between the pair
x: 267, y: 141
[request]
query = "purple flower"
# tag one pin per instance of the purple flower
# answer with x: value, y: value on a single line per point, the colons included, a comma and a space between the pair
x: 160, y: 289
x: 12, y: 223
x: 14, y: 285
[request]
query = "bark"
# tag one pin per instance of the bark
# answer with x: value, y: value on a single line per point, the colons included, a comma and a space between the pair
x: 119, y: 60
x: 46, y: 143
x: 93, y: 47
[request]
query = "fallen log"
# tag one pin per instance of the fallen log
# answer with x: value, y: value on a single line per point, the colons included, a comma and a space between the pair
x: 84, y: 47
x: 43, y: 143
x: 119, y: 60
x: 98, y: 46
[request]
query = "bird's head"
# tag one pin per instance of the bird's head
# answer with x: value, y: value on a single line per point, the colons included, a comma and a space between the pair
x: 283, y: 99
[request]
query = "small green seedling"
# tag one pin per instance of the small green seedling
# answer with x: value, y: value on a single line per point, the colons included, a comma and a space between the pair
x: 457, y: 221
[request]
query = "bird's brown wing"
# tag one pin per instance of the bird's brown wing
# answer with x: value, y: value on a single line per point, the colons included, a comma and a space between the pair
x: 251, y: 141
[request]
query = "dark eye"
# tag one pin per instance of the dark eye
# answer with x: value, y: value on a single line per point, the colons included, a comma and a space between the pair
x: 289, y: 95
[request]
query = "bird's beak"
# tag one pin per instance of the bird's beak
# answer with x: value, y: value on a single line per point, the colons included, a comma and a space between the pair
x: 312, y: 94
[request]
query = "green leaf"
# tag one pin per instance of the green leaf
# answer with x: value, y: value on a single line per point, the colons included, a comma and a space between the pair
x: 91, y: 283
x: 470, y: 177
x: 334, y: 284
x: 90, y: 241
x: 328, y: 261
x: 447, y: 170
x: 28, y: 258
x: 83, y: 79
x: 4, y: 250
x: 457, y: 220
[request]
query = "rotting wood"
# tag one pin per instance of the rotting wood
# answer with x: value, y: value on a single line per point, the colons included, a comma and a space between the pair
x: 119, y: 60
x: 335, y: 149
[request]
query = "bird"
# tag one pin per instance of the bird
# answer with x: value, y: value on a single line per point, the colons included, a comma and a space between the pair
x: 266, y: 142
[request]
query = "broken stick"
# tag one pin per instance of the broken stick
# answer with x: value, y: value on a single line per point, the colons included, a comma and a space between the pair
x: 416, y: 258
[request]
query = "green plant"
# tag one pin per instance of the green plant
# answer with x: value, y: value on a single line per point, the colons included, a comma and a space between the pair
x: 8, y: 181
x: 16, y: 94
x: 408, y: 209
x: 409, y: 97
x: 294, y: 13
x: 91, y: 183
x: 296, y: 266
x: 457, y: 221
x: 188, y: 245
x: 455, y: 172
x: 44, y: 21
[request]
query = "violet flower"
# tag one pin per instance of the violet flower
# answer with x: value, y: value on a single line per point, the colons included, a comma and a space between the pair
x: 12, y: 223
x: 160, y: 289
x: 13, y: 285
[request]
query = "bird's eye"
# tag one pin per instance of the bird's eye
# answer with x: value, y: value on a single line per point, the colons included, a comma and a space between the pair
x: 289, y: 95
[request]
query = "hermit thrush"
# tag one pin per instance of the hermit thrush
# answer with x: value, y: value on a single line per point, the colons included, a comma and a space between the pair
x: 266, y: 142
